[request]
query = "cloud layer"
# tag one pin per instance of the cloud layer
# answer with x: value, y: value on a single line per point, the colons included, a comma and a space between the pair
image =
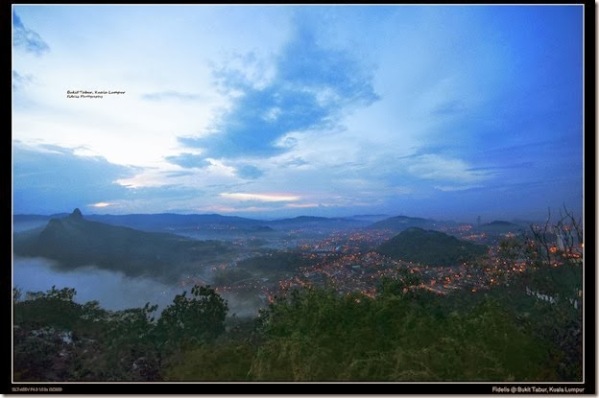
x: 310, y: 88
x: 287, y: 110
x: 26, y: 39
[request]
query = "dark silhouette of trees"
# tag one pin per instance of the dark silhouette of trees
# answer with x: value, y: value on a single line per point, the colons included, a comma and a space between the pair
x: 56, y: 339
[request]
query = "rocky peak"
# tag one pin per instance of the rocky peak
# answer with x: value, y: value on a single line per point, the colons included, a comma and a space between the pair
x: 76, y: 214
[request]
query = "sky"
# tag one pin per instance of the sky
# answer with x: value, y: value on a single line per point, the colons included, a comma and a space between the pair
x: 447, y: 112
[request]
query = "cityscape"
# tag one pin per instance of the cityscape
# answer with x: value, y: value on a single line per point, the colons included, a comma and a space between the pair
x: 342, y: 260
x: 305, y: 193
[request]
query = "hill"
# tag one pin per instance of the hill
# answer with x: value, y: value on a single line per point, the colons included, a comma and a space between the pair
x: 307, y: 222
x: 73, y: 241
x: 500, y: 227
x: 430, y: 248
x: 401, y: 223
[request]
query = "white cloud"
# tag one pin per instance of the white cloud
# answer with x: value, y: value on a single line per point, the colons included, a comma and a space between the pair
x: 261, y: 197
x: 302, y: 205
x: 454, y: 188
x: 437, y: 167
x: 100, y: 205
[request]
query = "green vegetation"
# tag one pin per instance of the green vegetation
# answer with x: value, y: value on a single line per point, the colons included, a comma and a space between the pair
x: 56, y: 339
x: 196, y: 320
x: 430, y: 247
x: 317, y: 335
x: 402, y: 334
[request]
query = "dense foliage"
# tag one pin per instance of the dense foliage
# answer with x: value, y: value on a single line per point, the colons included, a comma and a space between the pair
x: 56, y: 339
x: 402, y: 337
x: 403, y: 334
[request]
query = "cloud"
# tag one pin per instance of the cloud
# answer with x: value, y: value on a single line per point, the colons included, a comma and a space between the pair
x: 249, y: 172
x: 171, y: 95
x: 292, y: 105
x: 519, y: 165
x: 27, y: 39
x: 193, y: 161
x: 20, y: 81
x: 452, y: 188
x: 189, y: 160
x: 175, y: 174
x: 312, y: 86
x: 242, y: 72
x: 100, y: 205
x: 302, y: 205
x: 261, y: 197
x: 52, y: 179
x: 296, y: 162
x: 437, y: 167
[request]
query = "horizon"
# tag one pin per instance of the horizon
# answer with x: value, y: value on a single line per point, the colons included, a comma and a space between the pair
x: 375, y: 217
x: 271, y: 112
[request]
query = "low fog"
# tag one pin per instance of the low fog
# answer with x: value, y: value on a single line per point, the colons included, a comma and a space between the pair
x: 113, y: 290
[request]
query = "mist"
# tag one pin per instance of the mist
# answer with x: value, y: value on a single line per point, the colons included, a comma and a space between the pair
x: 113, y: 290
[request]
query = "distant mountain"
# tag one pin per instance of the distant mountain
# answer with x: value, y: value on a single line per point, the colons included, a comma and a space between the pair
x: 430, y: 248
x: 316, y: 222
x: 209, y: 223
x: 24, y: 222
x: 170, y: 221
x: 401, y: 223
x: 36, y: 217
x: 500, y: 227
x: 217, y: 223
x: 73, y: 242
x: 369, y: 218
x: 29, y: 217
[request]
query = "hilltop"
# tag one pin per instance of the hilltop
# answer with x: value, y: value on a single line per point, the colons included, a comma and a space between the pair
x: 401, y: 223
x: 430, y: 247
x: 500, y: 227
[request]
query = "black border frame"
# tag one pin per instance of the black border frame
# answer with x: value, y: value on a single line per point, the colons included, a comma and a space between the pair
x: 252, y: 388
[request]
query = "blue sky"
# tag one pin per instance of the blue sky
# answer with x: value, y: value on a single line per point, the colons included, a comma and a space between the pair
x: 448, y: 112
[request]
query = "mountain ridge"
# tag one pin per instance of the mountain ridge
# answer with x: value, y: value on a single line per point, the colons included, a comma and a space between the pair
x: 73, y: 241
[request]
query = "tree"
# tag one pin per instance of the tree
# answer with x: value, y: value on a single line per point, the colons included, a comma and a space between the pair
x: 193, y: 320
x: 56, y: 339
x: 129, y: 347
x: 400, y: 284
x: 553, y: 279
x: 43, y: 334
x: 321, y: 335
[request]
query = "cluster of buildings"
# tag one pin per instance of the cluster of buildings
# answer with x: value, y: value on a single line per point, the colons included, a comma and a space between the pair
x: 346, y: 262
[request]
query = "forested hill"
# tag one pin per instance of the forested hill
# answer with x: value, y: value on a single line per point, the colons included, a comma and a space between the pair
x: 500, y: 227
x: 401, y: 223
x: 73, y: 241
x: 430, y: 248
